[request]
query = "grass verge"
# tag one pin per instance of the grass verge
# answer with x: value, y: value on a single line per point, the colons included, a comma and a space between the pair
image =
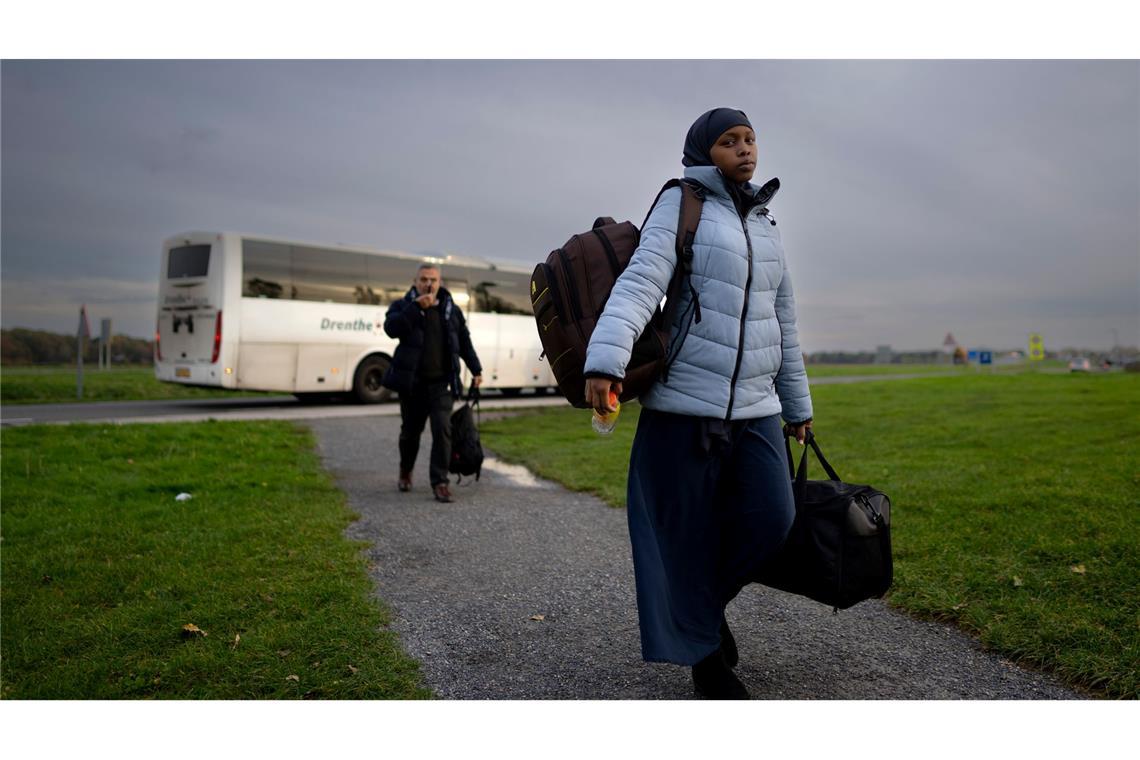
x: 56, y: 385
x: 102, y: 568
x: 832, y: 370
x: 1016, y: 503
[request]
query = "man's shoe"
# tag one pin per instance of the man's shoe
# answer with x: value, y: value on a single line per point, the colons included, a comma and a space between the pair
x: 728, y: 644
x: 442, y: 493
x: 713, y: 679
x: 405, y: 482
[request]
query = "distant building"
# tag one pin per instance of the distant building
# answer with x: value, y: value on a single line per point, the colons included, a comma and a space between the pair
x: 949, y: 344
x: 951, y: 349
x: 883, y: 355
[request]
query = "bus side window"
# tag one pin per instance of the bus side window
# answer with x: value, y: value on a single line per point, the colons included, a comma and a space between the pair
x: 323, y: 274
x: 505, y: 294
x: 389, y: 278
x: 266, y: 271
x: 458, y: 290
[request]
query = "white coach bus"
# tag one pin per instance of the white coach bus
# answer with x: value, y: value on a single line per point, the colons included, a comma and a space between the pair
x: 256, y: 313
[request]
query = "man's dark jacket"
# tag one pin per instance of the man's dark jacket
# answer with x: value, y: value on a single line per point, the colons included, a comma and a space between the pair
x: 405, y: 322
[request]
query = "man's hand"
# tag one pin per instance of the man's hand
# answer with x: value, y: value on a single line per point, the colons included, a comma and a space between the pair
x: 598, y: 391
x: 477, y: 380
x: 426, y: 301
x: 799, y: 431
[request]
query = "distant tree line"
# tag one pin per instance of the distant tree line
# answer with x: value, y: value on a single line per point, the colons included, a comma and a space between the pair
x: 869, y: 357
x: 20, y: 346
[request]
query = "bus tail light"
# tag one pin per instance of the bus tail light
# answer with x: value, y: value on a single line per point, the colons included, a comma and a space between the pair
x: 217, y: 338
x: 158, y: 343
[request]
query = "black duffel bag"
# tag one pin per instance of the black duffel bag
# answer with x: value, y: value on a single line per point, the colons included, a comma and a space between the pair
x: 839, y: 548
x: 466, y: 450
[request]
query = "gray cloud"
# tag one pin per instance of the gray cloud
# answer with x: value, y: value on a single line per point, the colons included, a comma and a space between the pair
x: 986, y: 198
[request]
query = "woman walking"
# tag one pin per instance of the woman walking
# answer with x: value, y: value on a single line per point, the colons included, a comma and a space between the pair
x: 709, y: 495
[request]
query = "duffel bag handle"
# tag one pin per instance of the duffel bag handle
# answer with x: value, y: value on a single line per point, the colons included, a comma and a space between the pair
x: 473, y: 399
x: 801, y: 477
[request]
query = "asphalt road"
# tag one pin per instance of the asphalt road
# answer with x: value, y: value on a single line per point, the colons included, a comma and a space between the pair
x: 278, y: 407
x: 237, y: 408
x: 524, y: 590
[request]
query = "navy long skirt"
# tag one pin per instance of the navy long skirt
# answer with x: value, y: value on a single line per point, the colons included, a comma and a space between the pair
x: 702, y: 516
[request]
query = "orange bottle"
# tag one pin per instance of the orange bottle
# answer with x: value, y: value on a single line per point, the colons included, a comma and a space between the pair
x: 604, y: 423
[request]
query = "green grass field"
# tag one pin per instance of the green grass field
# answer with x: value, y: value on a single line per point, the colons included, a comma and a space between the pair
x: 864, y: 370
x: 1016, y: 502
x: 56, y: 385
x: 832, y: 370
x: 102, y: 568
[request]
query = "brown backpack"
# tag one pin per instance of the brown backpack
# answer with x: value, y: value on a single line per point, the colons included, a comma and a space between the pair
x: 569, y: 291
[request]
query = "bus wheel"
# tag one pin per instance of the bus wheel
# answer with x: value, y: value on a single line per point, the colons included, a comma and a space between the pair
x: 510, y: 392
x: 366, y: 385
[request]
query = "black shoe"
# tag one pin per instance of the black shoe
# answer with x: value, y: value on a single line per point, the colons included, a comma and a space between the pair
x: 713, y: 679
x: 728, y: 645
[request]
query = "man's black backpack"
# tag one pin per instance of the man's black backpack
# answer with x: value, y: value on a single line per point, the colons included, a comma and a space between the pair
x: 466, y: 451
x: 569, y: 291
x: 839, y: 549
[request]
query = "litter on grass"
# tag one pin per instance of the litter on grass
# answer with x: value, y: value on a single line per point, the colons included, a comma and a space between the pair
x: 183, y: 497
x: 190, y: 631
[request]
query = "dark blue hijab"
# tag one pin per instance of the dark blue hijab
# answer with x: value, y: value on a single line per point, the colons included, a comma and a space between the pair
x: 706, y: 129
x: 703, y: 135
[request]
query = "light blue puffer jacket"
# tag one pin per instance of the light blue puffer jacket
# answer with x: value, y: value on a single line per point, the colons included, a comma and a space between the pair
x: 760, y: 349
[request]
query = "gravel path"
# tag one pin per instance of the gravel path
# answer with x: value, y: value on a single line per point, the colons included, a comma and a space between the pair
x: 524, y: 590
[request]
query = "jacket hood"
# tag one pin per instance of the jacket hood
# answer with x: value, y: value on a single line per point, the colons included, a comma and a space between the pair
x: 713, y: 181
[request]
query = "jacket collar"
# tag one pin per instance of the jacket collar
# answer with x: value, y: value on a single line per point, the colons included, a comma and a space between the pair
x: 713, y: 181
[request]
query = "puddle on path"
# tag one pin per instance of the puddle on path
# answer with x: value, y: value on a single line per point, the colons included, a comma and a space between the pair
x: 515, y: 473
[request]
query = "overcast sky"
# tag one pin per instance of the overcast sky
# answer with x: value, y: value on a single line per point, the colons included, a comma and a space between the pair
x: 990, y: 199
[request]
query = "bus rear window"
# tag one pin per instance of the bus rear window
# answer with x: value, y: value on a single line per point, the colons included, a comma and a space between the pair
x: 188, y: 261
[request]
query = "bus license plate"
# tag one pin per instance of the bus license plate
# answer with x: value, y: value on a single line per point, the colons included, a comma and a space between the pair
x: 182, y: 372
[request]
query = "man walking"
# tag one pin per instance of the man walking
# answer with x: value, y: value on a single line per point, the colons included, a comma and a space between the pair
x: 425, y: 372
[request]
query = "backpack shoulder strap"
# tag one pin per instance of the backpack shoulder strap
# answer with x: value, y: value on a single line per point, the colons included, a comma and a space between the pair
x: 692, y: 194
x: 692, y: 204
x: 689, y: 216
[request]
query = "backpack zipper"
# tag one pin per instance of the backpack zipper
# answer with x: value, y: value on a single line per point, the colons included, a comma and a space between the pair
x: 555, y: 295
x: 570, y: 290
x: 743, y: 321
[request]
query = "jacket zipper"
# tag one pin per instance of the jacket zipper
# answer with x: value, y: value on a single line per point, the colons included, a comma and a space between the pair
x: 743, y: 321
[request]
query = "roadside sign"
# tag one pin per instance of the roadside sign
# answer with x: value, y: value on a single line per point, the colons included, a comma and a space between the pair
x: 985, y: 357
x: 1036, y: 347
x: 972, y: 355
